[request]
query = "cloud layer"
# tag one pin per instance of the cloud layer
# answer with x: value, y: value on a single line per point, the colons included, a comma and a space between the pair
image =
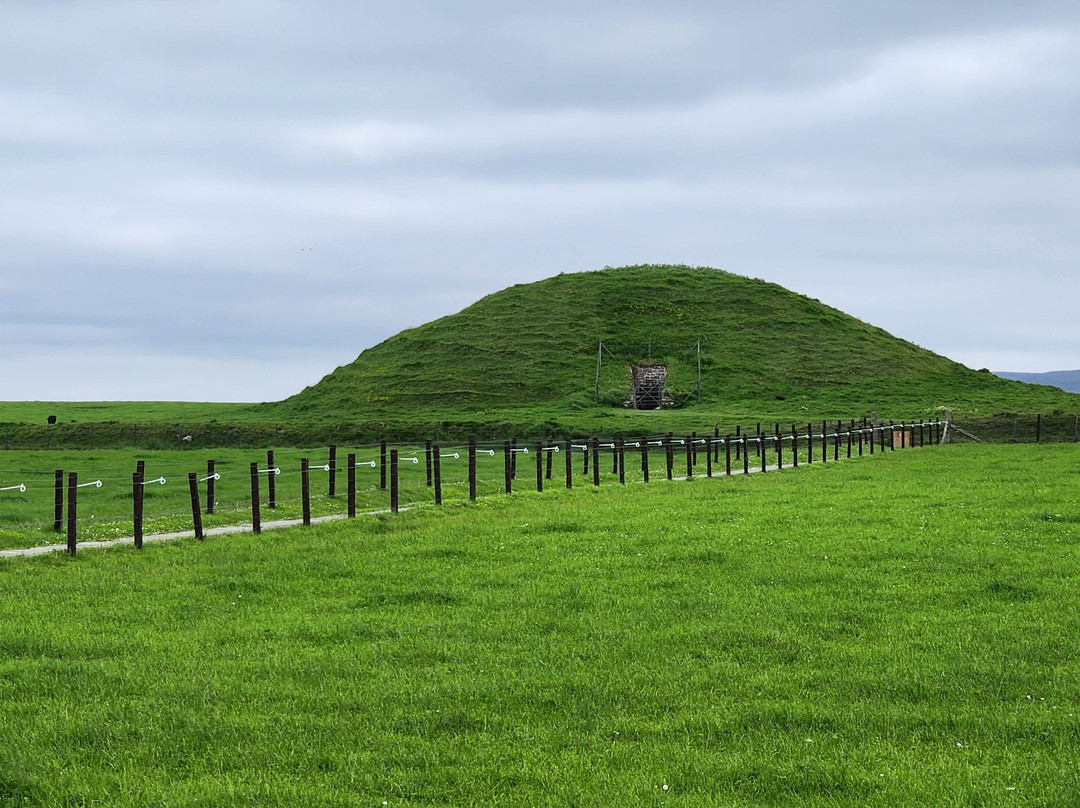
x: 225, y: 200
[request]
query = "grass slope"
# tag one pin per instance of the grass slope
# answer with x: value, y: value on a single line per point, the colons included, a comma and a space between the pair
x: 697, y: 644
x: 765, y: 351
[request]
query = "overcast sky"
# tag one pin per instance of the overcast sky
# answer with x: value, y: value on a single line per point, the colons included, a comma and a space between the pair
x: 225, y: 200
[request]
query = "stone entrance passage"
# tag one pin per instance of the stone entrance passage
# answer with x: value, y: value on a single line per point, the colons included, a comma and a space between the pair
x: 648, y: 386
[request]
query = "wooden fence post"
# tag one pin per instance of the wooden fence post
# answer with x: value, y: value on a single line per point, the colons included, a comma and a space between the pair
x: 394, y: 480
x: 256, y: 525
x: 436, y: 462
x: 332, y: 489
x: 644, y: 447
x: 809, y: 444
x: 621, y: 449
x: 689, y: 457
x: 727, y: 454
x: 72, y: 510
x: 596, y: 461
x: 550, y: 460
x: 745, y: 454
x: 761, y: 448
x: 670, y: 441
x: 305, y: 490
x: 507, y: 467
x: 708, y: 455
x: 738, y: 441
x: 794, y: 447
x: 137, y: 508
x: 539, y: 466
x: 350, y: 484
x: 472, y: 470
x: 779, y: 448
x: 569, y: 462
x: 196, y: 508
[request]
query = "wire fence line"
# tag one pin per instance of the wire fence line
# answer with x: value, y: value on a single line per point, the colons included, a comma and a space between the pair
x: 167, y: 496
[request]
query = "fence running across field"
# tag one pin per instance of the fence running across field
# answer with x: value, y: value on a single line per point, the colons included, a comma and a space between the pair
x: 384, y: 477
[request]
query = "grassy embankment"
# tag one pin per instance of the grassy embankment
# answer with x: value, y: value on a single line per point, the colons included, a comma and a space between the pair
x: 522, y: 362
x: 896, y: 630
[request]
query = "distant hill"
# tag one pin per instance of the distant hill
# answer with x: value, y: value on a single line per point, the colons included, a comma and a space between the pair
x: 764, y: 350
x: 1068, y: 380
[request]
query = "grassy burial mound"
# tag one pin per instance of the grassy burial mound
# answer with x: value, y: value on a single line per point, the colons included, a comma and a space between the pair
x: 761, y: 349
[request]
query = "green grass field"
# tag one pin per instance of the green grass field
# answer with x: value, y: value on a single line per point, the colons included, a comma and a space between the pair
x: 896, y: 630
x: 27, y: 517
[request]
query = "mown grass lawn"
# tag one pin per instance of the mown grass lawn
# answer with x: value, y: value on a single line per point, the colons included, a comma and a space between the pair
x: 891, y: 630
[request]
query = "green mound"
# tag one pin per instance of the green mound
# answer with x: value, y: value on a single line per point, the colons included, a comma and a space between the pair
x: 755, y: 346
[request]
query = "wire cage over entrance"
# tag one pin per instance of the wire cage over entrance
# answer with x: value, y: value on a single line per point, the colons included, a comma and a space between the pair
x: 648, y: 383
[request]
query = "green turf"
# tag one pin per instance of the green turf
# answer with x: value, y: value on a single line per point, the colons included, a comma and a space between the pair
x: 896, y: 630
x: 523, y: 363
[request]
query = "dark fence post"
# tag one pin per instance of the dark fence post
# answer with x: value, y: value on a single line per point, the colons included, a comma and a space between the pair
x: 539, y: 466
x: 693, y: 443
x: 614, y: 456
x: 738, y: 442
x: 569, y: 462
x: 761, y: 448
x: 596, y: 461
x: 137, y: 507
x: 809, y: 443
x: 689, y: 457
x: 196, y: 508
x: 394, y: 480
x: 305, y: 490
x: 585, y: 460
x: 836, y: 441
x: 513, y: 459
x: 670, y: 441
x: 727, y: 454
x: 350, y: 483
x: 550, y: 460
x: 745, y: 453
x: 824, y: 441
x: 211, y: 477
x: 851, y: 428
x: 472, y: 470
x: 332, y: 490
x: 644, y: 457
x: 72, y: 510
x: 507, y: 465
x: 708, y: 455
x: 436, y: 470
x: 794, y: 447
x: 256, y: 524
x: 716, y: 444
x: 620, y: 445
x: 779, y: 448
x: 58, y: 500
